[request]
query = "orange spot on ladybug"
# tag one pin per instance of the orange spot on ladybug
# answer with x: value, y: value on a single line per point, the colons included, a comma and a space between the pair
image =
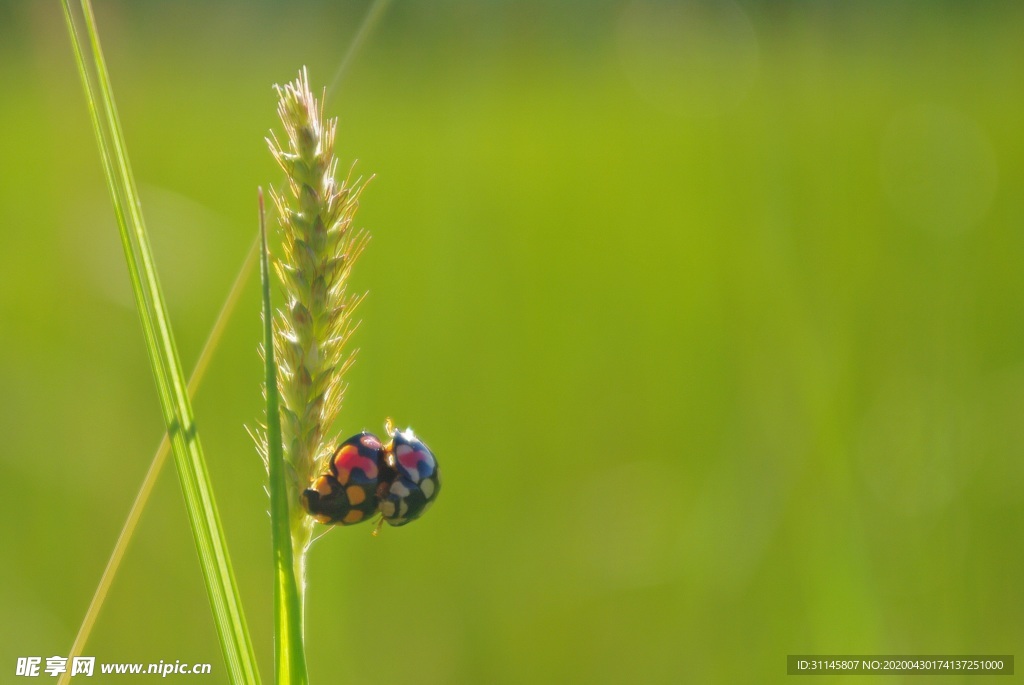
x: 356, y: 495
x: 343, y: 452
x: 353, y: 516
x: 343, y: 476
x: 323, y: 486
x: 346, y: 449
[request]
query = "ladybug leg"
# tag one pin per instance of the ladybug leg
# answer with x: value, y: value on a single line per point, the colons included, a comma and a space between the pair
x: 380, y: 524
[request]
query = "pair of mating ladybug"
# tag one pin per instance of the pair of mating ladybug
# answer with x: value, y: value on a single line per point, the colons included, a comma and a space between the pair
x: 399, y: 479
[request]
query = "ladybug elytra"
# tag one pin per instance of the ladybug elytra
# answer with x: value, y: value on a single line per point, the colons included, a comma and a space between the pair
x: 413, y: 478
x: 347, y: 492
x: 399, y: 479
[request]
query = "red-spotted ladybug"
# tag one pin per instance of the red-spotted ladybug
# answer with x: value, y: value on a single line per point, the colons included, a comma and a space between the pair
x: 347, y: 493
x: 399, y: 479
x: 411, y: 477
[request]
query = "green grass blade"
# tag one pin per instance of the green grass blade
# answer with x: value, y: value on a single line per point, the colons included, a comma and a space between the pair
x: 157, y: 465
x: 170, y: 382
x: 370, y: 19
x: 289, y: 655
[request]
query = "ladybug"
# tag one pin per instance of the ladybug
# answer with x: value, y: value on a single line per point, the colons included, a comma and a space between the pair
x: 411, y: 477
x: 348, y: 492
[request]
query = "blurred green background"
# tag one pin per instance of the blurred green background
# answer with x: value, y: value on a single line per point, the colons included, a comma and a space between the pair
x: 713, y: 312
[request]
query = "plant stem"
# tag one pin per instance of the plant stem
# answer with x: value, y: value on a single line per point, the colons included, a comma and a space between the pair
x: 289, y: 653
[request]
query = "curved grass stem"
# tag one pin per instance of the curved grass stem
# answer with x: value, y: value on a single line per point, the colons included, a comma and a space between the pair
x: 159, y: 460
x: 175, y: 406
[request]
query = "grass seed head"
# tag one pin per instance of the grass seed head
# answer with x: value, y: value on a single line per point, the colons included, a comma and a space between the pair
x: 319, y: 245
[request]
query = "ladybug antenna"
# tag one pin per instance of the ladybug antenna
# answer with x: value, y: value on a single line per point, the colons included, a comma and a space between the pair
x: 389, y: 426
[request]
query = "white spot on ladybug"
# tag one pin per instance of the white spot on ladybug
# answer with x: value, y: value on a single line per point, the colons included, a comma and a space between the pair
x: 370, y: 441
x: 397, y: 488
x: 403, y: 508
x: 427, y: 486
x: 387, y: 508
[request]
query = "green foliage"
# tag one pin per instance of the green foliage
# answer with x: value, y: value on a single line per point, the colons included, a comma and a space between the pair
x: 163, y: 355
x: 700, y: 387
